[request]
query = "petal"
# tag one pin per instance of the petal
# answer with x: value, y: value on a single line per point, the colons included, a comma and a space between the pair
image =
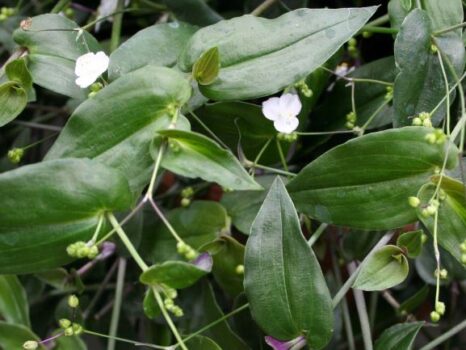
x: 286, y: 125
x: 275, y: 343
x: 271, y: 108
x: 82, y: 63
x: 290, y: 104
x: 86, y: 80
x: 204, y: 262
x: 101, y: 61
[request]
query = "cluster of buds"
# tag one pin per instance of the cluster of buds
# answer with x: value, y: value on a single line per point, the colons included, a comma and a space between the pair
x: 186, y: 195
x: 430, y: 209
x: 169, y: 301
x: 30, y: 345
x: 351, y: 120
x: 82, y: 249
x: 15, y: 155
x: 95, y: 88
x: 423, y: 119
x: 352, y: 48
x: 439, y: 311
x: 291, y: 137
x: 70, y: 328
x: 463, y: 252
x: 303, y: 88
x: 442, y: 274
x: 437, y: 137
x: 388, y: 93
x: 6, y: 12
x: 186, y: 250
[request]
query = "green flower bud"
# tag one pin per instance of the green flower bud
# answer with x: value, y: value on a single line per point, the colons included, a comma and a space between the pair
x: 349, y: 125
x: 443, y: 274
x: 352, y: 42
x: 424, y: 115
x: 433, y: 48
x: 69, y: 332
x: 414, y: 201
x: 425, y: 213
x: 366, y: 34
x: 83, y: 251
x: 96, y: 87
x: 64, y: 323
x: 351, y: 117
x: 177, y: 311
x: 191, y: 254
x: 427, y: 123
x: 92, y: 94
x: 171, y: 293
x: 182, y: 248
x: 430, y: 138
x: 434, y: 316
x: 187, y: 192
x: 4, y: 11
x: 71, y: 250
x: 431, y: 209
x: 169, y: 303
x: 93, y: 252
x: 463, y: 258
x: 463, y: 247
x: 15, y: 155
x: 73, y: 301
x: 185, y: 202
x: 417, y: 121
x: 77, y: 329
x: 31, y: 345
x: 69, y: 12
x: 442, y: 195
x: 239, y: 269
x: 440, y: 308
x: 423, y: 238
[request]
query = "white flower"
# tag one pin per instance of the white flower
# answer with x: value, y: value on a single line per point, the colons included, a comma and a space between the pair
x: 283, y: 111
x: 89, y: 67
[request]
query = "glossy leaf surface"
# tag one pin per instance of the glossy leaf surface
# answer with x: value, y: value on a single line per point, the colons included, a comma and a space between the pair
x: 284, y: 284
x: 365, y: 183
x: 291, y: 46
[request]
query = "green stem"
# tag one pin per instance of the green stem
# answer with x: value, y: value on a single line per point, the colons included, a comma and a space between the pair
x: 116, y: 27
x: 259, y: 155
x: 206, y: 128
x: 165, y: 221
x: 262, y: 7
x: 158, y: 160
x: 272, y: 170
x: 449, y: 29
x: 282, y: 156
x: 60, y: 6
x: 126, y: 241
x: 447, y: 335
x: 437, y: 260
x: 167, y: 317
x: 316, y: 235
x: 128, y: 341
x: 221, y: 319
x: 97, y: 230
x: 317, y: 133
x: 117, y: 304
x: 447, y: 95
x: 371, y: 118
x: 379, y: 21
x: 380, y: 30
x: 358, y: 80
x: 450, y: 91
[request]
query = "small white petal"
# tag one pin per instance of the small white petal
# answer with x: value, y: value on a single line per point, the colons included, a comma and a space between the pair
x: 286, y: 125
x: 85, y: 81
x: 82, y: 63
x: 271, y: 108
x: 101, y: 61
x: 290, y: 104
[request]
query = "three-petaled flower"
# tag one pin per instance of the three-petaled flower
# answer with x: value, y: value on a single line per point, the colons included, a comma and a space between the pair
x: 89, y: 67
x: 283, y: 111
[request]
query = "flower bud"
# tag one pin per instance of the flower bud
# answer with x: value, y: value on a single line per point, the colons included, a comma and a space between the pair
x: 433, y: 48
x: 417, y: 121
x: 191, y: 254
x: 434, y: 316
x: 463, y: 258
x: 349, y: 125
x: 185, y: 202
x: 182, y: 248
x: 31, y: 345
x: 352, y: 42
x: 440, y: 307
x: 187, y: 192
x: 239, y: 269
x: 171, y: 293
x: 423, y: 238
x: 73, y: 301
x: 15, y: 155
x: 64, y: 323
x: 177, y: 311
x: 69, y: 332
x: 430, y: 138
x: 427, y: 123
x: 169, y: 303
x: 414, y: 201
x: 463, y: 247
x: 77, y: 329
x: 93, y: 252
x: 431, y: 209
x: 366, y: 34
x: 443, y: 274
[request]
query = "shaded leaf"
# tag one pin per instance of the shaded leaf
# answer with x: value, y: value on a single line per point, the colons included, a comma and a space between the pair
x: 13, y: 336
x: 13, y: 99
x: 193, y: 11
x: 14, y: 306
x: 17, y: 71
x: 411, y: 241
x: 206, y: 68
x: 399, y: 337
x: 200, y: 342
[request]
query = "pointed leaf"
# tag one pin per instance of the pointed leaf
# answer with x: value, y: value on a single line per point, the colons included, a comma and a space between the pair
x: 383, y: 269
x: 194, y: 155
x: 365, y: 183
x: 200, y: 342
x: 13, y: 336
x: 284, y: 284
x: 399, y: 337
x: 411, y: 241
x: 206, y: 68
x: 13, y: 99
x: 47, y: 206
x: 14, y: 307
x: 291, y: 46
x: 17, y: 71
x: 117, y: 126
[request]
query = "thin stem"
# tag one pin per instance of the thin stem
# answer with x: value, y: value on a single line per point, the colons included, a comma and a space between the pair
x: 211, y: 133
x: 357, y: 80
x: 353, y: 98
x: 117, y: 305
x: 126, y: 241
x: 317, y: 133
x: 450, y: 91
x: 60, y: 6
x: 447, y: 95
x: 221, y: 319
x: 263, y: 7
x: 437, y: 259
x: 371, y: 118
x: 447, y: 335
x: 116, y: 27
x: 449, y: 29
x: 37, y: 125
x: 167, y: 317
x: 349, y: 282
x: 273, y: 170
x: 380, y: 30
x: 150, y: 189
x: 282, y: 156
x: 418, y: 4
x: 316, y: 235
x: 379, y: 21
x: 259, y: 155
x: 97, y: 230
x: 165, y: 221
x: 362, y: 312
x: 128, y: 341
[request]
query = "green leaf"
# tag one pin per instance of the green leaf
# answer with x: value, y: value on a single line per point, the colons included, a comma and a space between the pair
x: 53, y: 47
x: 227, y: 254
x: 444, y: 15
x: 18, y: 71
x: 206, y: 68
x: 412, y: 242
x: 150, y: 306
x: 451, y: 214
x: 413, y: 302
x: 70, y: 343
x: 13, y: 99
x: 194, y: 155
x: 197, y: 225
x: 243, y: 206
x: 260, y: 57
x: 420, y: 86
x: 14, y: 306
x: 397, y: 12
x: 117, y: 126
x: 240, y: 124
x: 13, y: 336
x: 58, y: 278
x: 158, y: 45
x: 365, y: 183
x: 383, y: 269
x: 192, y: 11
x: 175, y: 274
x: 406, y: 4
x: 357, y: 244
x: 399, y: 337
x: 200, y: 342
x: 278, y: 259
x: 47, y: 206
